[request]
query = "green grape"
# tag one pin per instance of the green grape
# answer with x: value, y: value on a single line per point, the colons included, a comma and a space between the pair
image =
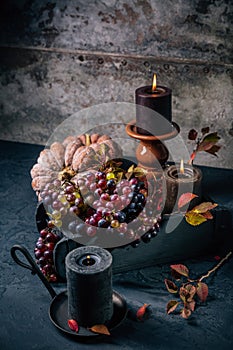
x: 56, y: 215
x: 110, y: 176
x: 58, y: 223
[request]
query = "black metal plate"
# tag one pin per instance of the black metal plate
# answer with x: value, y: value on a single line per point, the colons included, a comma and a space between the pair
x: 58, y: 314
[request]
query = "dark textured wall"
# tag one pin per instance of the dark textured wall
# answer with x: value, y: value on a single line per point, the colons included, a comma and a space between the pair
x: 61, y: 56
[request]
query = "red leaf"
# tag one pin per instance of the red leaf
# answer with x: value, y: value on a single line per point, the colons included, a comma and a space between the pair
x: 208, y: 215
x: 171, y: 306
x: 141, y: 311
x: 192, y: 135
x: 73, y: 325
x: 175, y: 275
x: 185, y: 198
x: 190, y: 305
x: 171, y: 287
x: 181, y: 269
x: 202, y: 291
x: 205, y: 130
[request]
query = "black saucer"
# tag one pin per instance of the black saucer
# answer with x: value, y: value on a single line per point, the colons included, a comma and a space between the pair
x: 58, y: 314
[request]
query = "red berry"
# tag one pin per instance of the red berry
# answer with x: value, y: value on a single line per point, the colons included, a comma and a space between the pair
x: 141, y: 311
x: 102, y: 183
x: 53, y: 278
x: 43, y: 233
x: 73, y: 325
x: 51, y: 237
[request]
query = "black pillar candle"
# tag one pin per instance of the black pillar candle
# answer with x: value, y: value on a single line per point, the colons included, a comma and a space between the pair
x: 160, y: 100
x: 89, y: 285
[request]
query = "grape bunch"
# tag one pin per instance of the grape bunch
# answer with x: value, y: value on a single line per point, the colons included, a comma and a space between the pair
x: 108, y: 198
x: 44, y: 251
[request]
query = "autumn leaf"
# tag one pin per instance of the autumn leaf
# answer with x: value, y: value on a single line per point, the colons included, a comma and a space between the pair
x: 172, y: 305
x: 208, y: 215
x: 213, y: 150
x: 185, y: 198
x: 212, y: 137
x: 171, y: 287
x: 175, y: 275
x: 185, y: 313
x: 119, y: 176
x: 181, y: 269
x: 204, y: 207
x: 208, y: 142
x: 190, y: 305
x: 205, y: 130
x: 202, y: 291
x: 192, y: 135
x: 141, y: 311
x: 130, y: 172
x: 191, y: 291
x: 139, y: 172
x: 194, y: 219
x: 187, y: 293
x: 100, y: 329
x: 131, y: 168
x: 73, y: 325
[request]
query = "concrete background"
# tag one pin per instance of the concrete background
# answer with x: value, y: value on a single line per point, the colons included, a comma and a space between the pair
x: 62, y: 56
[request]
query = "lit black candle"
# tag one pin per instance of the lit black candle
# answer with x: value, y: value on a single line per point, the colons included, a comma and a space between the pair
x: 179, y: 180
x: 156, y: 99
x: 89, y: 285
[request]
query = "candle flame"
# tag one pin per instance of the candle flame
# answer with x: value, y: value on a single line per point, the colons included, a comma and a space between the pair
x: 154, y: 83
x: 182, y: 166
x: 88, y: 257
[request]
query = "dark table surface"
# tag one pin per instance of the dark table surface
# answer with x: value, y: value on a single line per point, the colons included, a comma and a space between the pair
x: 24, y: 301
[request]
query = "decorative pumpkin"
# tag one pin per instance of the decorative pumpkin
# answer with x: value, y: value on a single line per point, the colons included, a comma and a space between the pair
x: 76, y: 154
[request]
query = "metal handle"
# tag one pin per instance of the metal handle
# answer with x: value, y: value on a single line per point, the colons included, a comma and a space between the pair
x: 32, y: 267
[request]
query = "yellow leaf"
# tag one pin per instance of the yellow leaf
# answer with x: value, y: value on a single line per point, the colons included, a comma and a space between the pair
x: 100, y: 329
x: 194, y: 219
x: 131, y: 169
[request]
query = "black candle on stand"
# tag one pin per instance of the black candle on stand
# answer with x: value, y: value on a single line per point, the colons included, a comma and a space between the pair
x: 89, y: 285
x: 156, y: 99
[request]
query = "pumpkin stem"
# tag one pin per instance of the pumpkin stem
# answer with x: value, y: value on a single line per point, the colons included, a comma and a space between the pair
x: 88, y: 140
